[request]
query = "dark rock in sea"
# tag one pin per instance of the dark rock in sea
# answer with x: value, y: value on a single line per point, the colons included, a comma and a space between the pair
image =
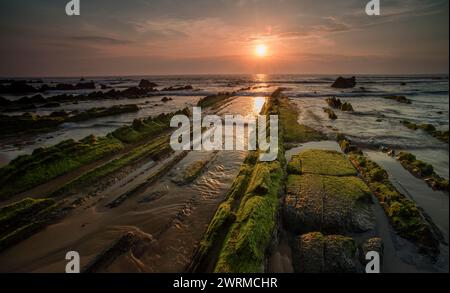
x: 144, y: 83
x: 400, y: 99
x: 4, y: 102
x: 44, y: 88
x: 36, y: 99
x: 403, y: 84
x: 166, y: 99
x: 64, y: 87
x: 181, y: 88
x: 318, y: 253
x: 344, y: 83
x: 70, y: 87
x: 17, y: 87
x: 59, y: 114
x: 85, y: 86
x: 330, y: 113
x: 347, y: 107
x: 334, y: 103
x: 51, y: 105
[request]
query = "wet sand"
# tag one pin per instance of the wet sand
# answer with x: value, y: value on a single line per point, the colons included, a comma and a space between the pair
x: 169, y: 218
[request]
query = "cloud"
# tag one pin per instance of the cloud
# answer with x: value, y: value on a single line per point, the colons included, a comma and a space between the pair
x: 99, y: 40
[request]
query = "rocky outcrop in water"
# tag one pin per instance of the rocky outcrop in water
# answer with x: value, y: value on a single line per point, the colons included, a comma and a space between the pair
x: 181, y: 88
x: 146, y: 84
x: 344, y: 83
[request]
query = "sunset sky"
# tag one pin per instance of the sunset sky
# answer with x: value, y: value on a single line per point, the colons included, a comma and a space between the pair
x: 143, y: 37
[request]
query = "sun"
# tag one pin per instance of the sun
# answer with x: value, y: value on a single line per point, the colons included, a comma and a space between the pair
x: 261, y: 50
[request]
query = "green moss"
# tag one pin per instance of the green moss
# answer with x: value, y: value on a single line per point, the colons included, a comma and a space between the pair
x: 325, y: 163
x: 30, y: 122
x: 428, y: 128
x: 194, y: 170
x: 403, y: 213
x: 347, y: 107
x: 330, y: 113
x: 222, y: 216
x: 215, y: 101
x: 21, y: 219
x: 260, y: 180
x: 246, y: 242
x: 153, y: 149
x: 19, y: 211
x: 293, y: 132
x: 295, y: 165
x: 422, y: 170
x: 312, y: 200
x: 245, y: 246
x: 146, y: 128
x: 44, y: 164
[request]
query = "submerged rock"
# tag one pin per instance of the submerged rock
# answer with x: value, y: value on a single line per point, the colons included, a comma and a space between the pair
x: 317, y: 253
x: 344, y: 83
x: 400, y: 99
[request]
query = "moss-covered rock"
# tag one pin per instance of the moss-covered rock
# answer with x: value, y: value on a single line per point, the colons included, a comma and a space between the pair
x: 404, y: 215
x: 422, y: 170
x: 29, y: 122
x: 44, y: 164
x: 194, y: 170
x: 325, y: 162
x: 294, y: 167
x: 347, y: 147
x: 215, y: 101
x: 293, y: 132
x: 442, y: 135
x: 318, y: 253
x: 347, y: 107
x: 21, y: 219
x: 327, y: 203
x: 330, y: 113
x: 334, y: 103
x: 146, y: 128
